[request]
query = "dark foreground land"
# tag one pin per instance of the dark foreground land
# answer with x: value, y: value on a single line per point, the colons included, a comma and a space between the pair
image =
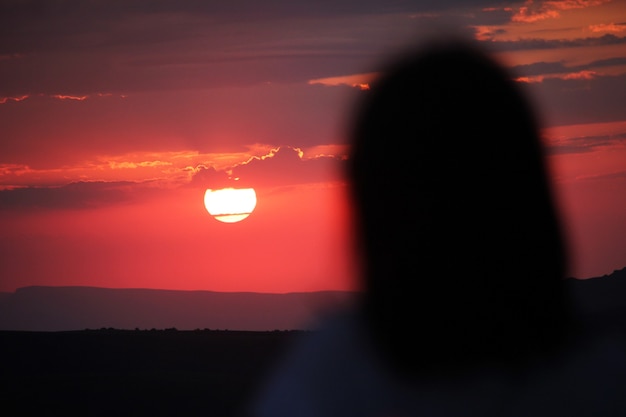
x: 111, y: 372
x: 169, y: 372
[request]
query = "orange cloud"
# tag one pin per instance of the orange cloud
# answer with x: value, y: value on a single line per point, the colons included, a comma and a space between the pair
x: 483, y: 33
x: 142, y: 164
x: 487, y: 33
x: 14, y: 169
x: 85, y: 97
x: 574, y: 4
x: 283, y: 166
x: 327, y: 150
x: 4, y: 100
x: 164, y: 168
x: 525, y: 15
x: 361, y: 81
x: 579, y: 75
x: 65, y: 97
x: 608, y: 27
x: 533, y: 11
x: 528, y: 80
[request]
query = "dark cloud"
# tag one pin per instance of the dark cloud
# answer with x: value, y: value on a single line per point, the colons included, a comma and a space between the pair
x: 621, y: 175
x: 583, y: 144
x: 536, y: 43
x: 540, y: 68
x: 173, y: 67
x: 579, y: 101
x: 79, y: 47
x: 209, y: 177
x: 285, y: 167
x: 77, y: 195
x: 82, y: 13
x: 282, y: 167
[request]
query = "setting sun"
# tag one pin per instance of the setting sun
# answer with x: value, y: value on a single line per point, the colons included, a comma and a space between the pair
x: 230, y: 205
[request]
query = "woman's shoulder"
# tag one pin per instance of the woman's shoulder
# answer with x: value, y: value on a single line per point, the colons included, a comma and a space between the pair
x: 328, y: 371
x: 587, y: 378
x: 333, y: 371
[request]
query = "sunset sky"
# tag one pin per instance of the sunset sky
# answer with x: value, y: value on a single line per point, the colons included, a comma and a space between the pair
x: 116, y: 116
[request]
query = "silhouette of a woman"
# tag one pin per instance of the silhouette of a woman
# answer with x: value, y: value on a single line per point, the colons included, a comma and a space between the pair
x: 459, y: 236
x: 464, y: 309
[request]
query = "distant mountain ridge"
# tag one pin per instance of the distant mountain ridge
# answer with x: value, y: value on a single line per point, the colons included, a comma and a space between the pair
x: 38, y: 308
x: 601, y: 301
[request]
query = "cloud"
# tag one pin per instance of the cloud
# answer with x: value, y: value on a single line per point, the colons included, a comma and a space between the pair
x: 361, y: 81
x: 527, y: 15
x: 584, y: 144
x: 542, y: 68
x: 288, y: 166
x: 46, y: 132
x: 134, y: 165
x: 57, y: 13
x: 608, y: 27
x: 4, y: 100
x: 580, y: 100
x: 580, y: 75
x: 210, y: 177
x: 12, y: 171
x: 282, y: 166
x: 487, y: 33
x: 77, y: 195
x: 166, y: 168
x: 619, y: 175
x: 74, y: 48
x: 536, y: 43
x: 533, y: 11
x: 68, y: 97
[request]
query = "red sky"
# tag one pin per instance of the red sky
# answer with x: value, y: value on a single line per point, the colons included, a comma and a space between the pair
x: 115, y: 116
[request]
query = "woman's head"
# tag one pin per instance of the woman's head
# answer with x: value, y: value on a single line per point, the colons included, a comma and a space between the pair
x: 454, y: 214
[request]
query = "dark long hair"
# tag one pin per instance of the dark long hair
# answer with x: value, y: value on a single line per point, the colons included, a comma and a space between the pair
x: 462, y: 250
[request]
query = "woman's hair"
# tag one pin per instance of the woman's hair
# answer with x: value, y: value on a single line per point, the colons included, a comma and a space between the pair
x: 461, y: 246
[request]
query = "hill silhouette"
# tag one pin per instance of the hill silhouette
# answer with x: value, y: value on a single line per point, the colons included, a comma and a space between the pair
x: 78, y: 308
x: 111, y: 371
x: 601, y: 300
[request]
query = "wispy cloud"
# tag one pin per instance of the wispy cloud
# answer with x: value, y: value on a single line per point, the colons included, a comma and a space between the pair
x: 584, y: 144
x: 68, y: 97
x: 14, y: 169
x: 538, y: 43
x: 541, y: 71
x: 542, y: 68
x: 487, y: 33
x: 580, y: 75
x: 280, y: 167
x: 533, y: 11
x: 608, y: 27
x: 166, y: 169
x: 361, y: 81
x: 4, y: 100
x: 77, y: 195
x: 142, y: 164
x: 581, y: 98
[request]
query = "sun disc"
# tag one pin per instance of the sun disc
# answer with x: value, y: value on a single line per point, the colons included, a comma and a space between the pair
x: 230, y: 205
